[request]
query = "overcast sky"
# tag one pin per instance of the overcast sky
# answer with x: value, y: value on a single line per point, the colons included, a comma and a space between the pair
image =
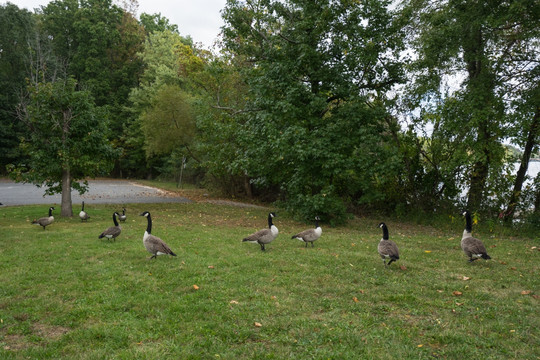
x: 199, y: 18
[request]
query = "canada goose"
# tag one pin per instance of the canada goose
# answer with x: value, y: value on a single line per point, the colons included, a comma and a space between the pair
x: 264, y: 236
x: 83, y: 214
x: 44, y: 221
x: 387, y: 248
x: 113, y: 231
x: 153, y: 244
x: 310, y: 235
x: 123, y: 217
x: 472, y: 247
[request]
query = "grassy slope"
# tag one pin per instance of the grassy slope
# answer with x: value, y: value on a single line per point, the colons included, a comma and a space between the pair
x: 66, y: 294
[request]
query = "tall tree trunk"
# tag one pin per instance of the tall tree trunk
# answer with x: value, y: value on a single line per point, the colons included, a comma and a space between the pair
x: 532, y: 141
x: 67, y: 209
x: 480, y: 89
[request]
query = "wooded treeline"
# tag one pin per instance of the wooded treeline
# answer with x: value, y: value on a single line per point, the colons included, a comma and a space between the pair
x: 326, y: 106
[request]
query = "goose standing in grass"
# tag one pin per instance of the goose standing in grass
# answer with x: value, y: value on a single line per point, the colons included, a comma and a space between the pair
x: 153, y: 244
x: 123, y: 217
x: 310, y: 235
x: 471, y: 246
x: 264, y: 236
x: 387, y: 248
x: 44, y: 221
x: 83, y: 214
x: 113, y: 231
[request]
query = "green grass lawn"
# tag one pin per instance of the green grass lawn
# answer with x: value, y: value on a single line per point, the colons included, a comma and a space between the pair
x: 64, y: 294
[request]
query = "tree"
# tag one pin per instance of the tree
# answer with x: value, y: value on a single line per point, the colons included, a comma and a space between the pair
x: 168, y: 124
x: 17, y: 27
x: 98, y: 41
x: 317, y: 135
x: 168, y: 59
x: 66, y: 140
x: 476, y: 41
x: 156, y: 22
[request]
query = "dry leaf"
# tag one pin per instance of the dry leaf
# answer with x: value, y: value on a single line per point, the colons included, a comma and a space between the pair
x: 466, y: 278
x: 355, y: 299
x: 257, y: 324
x: 195, y: 287
x: 459, y: 304
x: 427, y: 251
x: 439, y: 291
x: 420, y: 345
x: 210, y: 266
x: 526, y: 292
x: 233, y: 302
x: 403, y: 267
x: 536, y: 296
x: 457, y: 293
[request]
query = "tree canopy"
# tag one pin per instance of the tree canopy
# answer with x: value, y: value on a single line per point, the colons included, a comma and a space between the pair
x: 326, y: 107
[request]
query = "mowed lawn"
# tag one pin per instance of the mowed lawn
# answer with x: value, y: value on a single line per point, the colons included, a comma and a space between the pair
x: 65, y: 294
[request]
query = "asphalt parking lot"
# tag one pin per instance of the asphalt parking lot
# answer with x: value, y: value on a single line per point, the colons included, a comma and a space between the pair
x: 100, y: 191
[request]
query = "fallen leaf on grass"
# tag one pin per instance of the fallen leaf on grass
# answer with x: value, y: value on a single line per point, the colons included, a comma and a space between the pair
x: 233, y: 302
x: 195, y: 287
x: 427, y: 251
x: 403, y: 267
x: 355, y: 299
x: 465, y: 278
x: 257, y: 324
x: 210, y: 266
x: 526, y: 292
x: 420, y: 345
x: 536, y: 296
x: 457, y: 293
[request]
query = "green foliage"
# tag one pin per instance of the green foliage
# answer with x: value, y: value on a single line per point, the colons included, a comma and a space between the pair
x: 169, y: 123
x: 481, y: 43
x: 157, y: 23
x: 316, y: 128
x: 96, y: 43
x: 66, y: 131
x: 16, y: 27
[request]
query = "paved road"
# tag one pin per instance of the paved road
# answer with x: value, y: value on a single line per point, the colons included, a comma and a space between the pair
x: 100, y: 191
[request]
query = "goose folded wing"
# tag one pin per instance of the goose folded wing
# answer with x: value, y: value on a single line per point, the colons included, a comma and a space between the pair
x: 474, y: 245
x: 157, y: 245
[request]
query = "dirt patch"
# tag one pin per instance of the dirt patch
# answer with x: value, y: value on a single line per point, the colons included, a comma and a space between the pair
x: 49, y: 331
x: 15, y: 342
